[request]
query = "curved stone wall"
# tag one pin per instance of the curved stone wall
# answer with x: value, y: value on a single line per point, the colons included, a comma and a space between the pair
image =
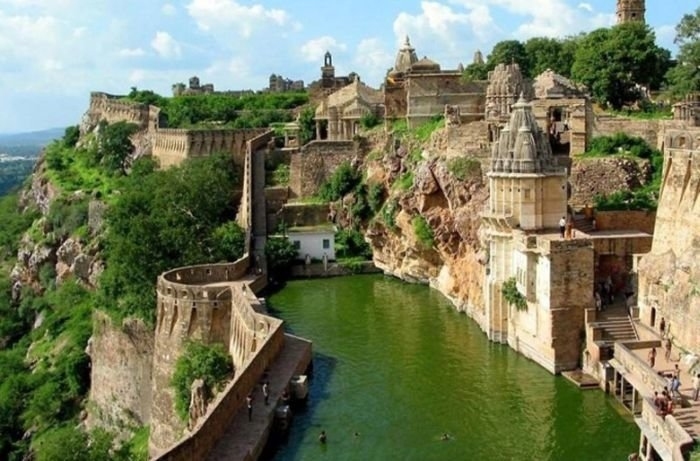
x: 211, y: 304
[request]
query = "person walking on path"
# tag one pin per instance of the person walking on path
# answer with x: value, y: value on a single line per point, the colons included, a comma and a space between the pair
x: 266, y: 391
x: 652, y: 357
x: 662, y: 327
x: 249, y: 404
x: 562, y: 226
x: 668, y: 346
x: 696, y: 386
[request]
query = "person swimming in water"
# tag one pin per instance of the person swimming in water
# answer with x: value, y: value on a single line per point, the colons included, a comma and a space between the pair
x: 445, y: 437
x: 322, y: 437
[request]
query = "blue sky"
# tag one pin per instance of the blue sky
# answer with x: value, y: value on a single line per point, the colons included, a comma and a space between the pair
x: 54, y: 52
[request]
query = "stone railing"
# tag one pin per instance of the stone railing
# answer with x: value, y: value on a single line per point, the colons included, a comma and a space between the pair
x: 212, y: 426
x: 637, y: 366
x: 674, y: 440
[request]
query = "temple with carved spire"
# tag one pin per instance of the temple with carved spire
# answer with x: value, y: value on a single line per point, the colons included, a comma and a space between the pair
x: 537, y: 282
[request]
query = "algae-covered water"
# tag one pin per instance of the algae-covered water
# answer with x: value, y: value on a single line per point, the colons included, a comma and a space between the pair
x: 395, y: 363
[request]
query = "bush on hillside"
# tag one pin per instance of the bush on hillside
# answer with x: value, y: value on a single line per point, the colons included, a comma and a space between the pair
x: 209, y: 362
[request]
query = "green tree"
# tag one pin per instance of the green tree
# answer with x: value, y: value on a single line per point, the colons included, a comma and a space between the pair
x: 229, y: 241
x: 71, y: 136
x: 280, y: 254
x: 547, y: 53
x: 507, y: 52
x: 307, y: 124
x: 209, y: 362
x: 115, y: 146
x: 614, y: 62
x: 685, y: 76
x: 475, y: 71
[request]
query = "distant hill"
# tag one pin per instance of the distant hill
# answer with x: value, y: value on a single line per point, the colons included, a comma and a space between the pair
x: 18, y: 152
x: 32, y: 138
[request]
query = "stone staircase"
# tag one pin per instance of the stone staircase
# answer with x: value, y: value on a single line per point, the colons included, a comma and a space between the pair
x: 616, y: 325
x: 583, y: 223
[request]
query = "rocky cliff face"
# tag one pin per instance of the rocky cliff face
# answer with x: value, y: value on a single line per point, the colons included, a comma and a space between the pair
x: 455, y: 263
x: 121, y: 362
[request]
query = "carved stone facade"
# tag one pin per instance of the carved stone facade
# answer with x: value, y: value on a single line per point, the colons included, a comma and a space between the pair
x: 688, y: 110
x: 342, y: 111
x: 554, y: 276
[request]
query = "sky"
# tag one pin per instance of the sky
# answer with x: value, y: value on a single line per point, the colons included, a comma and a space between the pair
x: 53, y: 53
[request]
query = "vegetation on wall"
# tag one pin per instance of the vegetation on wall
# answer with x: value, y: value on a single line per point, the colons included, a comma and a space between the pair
x: 621, y: 144
x: 344, y: 179
x: 423, y: 232
x: 464, y: 168
x: 350, y: 243
x: 209, y: 362
x: 512, y: 295
x: 224, y: 110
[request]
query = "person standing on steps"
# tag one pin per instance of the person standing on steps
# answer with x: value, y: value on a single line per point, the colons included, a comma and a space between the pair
x: 562, y: 226
x: 249, y: 404
x: 266, y: 391
x: 652, y: 357
x: 696, y: 386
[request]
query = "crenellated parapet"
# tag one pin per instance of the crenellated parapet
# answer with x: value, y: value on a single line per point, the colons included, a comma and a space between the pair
x: 112, y: 108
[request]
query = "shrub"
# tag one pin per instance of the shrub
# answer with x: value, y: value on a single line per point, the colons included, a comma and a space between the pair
x: 369, y: 121
x: 280, y: 253
x: 510, y: 293
x: 351, y: 243
x: 280, y: 176
x: 343, y: 180
x: 464, y: 168
x: 389, y: 212
x: 375, y: 197
x: 424, y: 131
x: 210, y: 363
x: 229, y: 242
x: 405, y: 181
x: 423, y: 232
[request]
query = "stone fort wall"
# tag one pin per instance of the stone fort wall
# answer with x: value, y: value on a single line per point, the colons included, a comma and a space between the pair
x: 170, y: 146
x: 206, y: 304
x: 669, y: 274
x: 428, y: 94
x: 316, y: 162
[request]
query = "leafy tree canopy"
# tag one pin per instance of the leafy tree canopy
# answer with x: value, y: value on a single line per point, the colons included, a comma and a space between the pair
x: 509, y: 51
x: 613, y: 62
x: 685, y: 76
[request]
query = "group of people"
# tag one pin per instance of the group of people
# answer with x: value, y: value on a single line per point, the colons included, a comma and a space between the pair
x: 604, y: 294
x: 266, y: 398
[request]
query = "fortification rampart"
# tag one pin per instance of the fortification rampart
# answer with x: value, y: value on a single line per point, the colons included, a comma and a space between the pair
x: 173, y: 146
x: 204, y: 303
x: 112, y: 109
x: 314, y: 164
x: 669, y: 274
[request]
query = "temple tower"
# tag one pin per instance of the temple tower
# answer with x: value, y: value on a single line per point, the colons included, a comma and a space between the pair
x: 327, y: 71
x: 527, y: 194
x: 630, y: 11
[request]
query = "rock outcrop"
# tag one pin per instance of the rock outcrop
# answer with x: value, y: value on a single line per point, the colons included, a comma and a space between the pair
x: 452, y: 208
x: 603, y: 176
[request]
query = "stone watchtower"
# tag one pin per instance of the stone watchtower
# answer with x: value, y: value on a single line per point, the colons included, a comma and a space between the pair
x: 327, y: 71
x: 630, y: 11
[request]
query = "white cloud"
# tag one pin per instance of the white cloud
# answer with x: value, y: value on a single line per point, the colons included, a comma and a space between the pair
x: 214, y: 14
x: 372, y: 60
x: 168, y: 9
x: 314, y: 49
x: 443, y: 30
x: 131, y: 52
x: 165, y: 45
x: 550, y: 18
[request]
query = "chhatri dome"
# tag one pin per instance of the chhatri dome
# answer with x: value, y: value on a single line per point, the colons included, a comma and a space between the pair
x: 405, y: 58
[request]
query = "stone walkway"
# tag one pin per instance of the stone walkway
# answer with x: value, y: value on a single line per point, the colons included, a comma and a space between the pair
x: 245, y: 438
x: 688, y: 417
